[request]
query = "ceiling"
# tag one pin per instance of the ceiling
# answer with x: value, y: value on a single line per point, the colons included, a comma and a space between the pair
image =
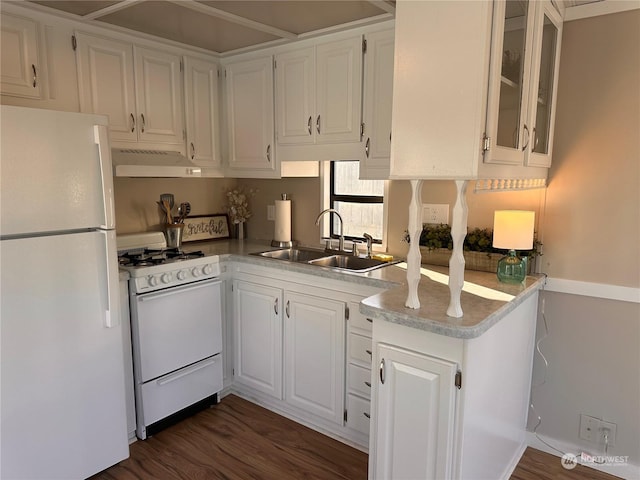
x: 225, y: 26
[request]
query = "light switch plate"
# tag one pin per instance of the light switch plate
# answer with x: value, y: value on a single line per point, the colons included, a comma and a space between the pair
x: 271, y: 212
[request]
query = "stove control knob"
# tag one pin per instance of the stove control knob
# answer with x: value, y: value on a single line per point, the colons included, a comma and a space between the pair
x: 166, y: 277
x: 153, y: 281
x: 195, y: 272
x: 181, y: 275
x: 207, y: 270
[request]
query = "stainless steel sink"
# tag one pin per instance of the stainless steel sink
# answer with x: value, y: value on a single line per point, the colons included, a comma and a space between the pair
x: 321, y: 258
x: 302, y: 255
x: 349, y: 262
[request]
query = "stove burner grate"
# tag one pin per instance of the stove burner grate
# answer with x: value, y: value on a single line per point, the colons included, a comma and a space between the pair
x: 151, y: 257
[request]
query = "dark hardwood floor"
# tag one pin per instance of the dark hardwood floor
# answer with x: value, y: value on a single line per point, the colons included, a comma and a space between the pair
x: 237, y: 440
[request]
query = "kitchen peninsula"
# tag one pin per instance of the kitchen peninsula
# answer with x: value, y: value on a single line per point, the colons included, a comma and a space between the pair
x: 472, y: 374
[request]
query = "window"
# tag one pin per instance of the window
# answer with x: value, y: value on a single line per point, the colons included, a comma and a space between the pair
x: 359, y: 202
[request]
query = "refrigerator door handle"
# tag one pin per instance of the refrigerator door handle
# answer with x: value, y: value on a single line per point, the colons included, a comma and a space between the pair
x: 101, y: 135
x: 112, y: 314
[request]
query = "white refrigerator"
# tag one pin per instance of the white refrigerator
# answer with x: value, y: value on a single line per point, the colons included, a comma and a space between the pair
x: 62, y: 400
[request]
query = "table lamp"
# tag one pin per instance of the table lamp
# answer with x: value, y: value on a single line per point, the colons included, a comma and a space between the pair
x: 513, y: 230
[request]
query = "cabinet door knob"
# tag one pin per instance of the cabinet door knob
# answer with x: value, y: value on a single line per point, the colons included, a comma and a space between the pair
x: 35, y: 75
x: 318, y: 124
x: 133, y: 123
x: 382, y: 371
x: 309, y: 124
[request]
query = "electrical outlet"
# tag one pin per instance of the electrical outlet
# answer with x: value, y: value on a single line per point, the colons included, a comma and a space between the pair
x: 435, y: 213
x: 271, y: 212
x: 589, y: 428
x: 593, y: 430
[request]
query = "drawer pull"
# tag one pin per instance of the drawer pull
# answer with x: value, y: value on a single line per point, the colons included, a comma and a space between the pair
x: 369, y: 352
x: 368, y: 384
x: 370, y: 320
x: 382, y: 371
x: 184, y: 372
x: 366, y: 415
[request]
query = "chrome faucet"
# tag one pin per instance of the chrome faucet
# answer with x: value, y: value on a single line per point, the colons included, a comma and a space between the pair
x: 341, y: 236
x: 369, y: 240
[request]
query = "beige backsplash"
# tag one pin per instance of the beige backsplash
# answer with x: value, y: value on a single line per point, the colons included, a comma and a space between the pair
x: 135, y: 199
x: 136, y: 210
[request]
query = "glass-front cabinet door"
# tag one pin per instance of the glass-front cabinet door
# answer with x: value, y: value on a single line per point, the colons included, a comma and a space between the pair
x: 522, y: 82
x: 546, y: 59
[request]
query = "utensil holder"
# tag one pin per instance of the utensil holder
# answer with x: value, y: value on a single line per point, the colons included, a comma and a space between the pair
x: 174, y: 235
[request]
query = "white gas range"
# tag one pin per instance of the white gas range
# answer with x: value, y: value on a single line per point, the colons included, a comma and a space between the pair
x: 176, y: 328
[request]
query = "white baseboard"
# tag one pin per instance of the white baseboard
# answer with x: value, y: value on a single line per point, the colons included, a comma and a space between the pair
x: 514, y: 461
x: 628, y: 471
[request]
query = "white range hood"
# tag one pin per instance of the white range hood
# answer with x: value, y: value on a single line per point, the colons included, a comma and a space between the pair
x: 128, y: 162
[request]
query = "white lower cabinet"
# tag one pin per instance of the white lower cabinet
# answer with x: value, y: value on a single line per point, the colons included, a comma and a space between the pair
x: 291, y: 349
x: 415, y: 412
x: 430, y: 422
x: 258, y: 337
x: 314, y: 355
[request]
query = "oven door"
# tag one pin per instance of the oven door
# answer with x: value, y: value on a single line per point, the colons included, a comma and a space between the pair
x: 176, y: 327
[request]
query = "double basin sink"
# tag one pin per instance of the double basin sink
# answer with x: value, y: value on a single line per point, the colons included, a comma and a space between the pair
x: 322, y: 258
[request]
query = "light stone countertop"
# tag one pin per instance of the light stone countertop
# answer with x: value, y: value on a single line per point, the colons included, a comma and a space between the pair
x: 484, y: 299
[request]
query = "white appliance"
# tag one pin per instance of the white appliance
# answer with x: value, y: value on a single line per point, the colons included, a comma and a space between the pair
x: 62, y: 409
x: 176, y: 325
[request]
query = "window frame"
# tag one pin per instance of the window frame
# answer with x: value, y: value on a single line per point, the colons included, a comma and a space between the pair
x: 327, y: 192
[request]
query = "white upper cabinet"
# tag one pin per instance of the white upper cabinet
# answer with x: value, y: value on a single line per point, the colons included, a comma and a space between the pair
x: 159, y: 96
x: 378, y: 105
x: 339, y: 91
x: 523, y: 83
x: 319, y: 101
x: 296, y: 96
x: 544, y: 84
x: 107, y: 84
x: 249, y: 112
x: 140, y: 89
x: 20, y: 59
x: 201, y: 108
x: 467, y: 111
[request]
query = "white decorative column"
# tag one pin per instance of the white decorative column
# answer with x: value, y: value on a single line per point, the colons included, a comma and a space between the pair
x: 456, y: 262
x: 413, y: 257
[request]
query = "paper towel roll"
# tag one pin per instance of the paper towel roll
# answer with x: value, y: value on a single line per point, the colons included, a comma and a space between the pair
x: 283, y: 221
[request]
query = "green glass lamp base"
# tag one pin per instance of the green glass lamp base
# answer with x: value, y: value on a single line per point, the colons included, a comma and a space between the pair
x: 512, y: 269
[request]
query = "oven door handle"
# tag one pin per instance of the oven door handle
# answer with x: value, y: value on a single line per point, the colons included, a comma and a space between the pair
x: 186, y: 371
x: 173, y: 290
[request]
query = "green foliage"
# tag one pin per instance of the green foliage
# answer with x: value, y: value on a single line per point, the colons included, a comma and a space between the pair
x: 477, y: 240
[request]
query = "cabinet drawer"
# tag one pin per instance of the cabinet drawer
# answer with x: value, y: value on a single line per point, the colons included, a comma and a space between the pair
x: 358, y: 378
x: 358, y: 320
x: 356, y: 409
x: 173, y: 392
x: 360, y: 348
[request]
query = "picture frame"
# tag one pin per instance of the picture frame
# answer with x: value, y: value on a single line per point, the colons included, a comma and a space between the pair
x: 206, y: 227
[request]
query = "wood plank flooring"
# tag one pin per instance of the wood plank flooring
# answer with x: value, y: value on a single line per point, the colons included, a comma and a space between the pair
x: 237, y: 440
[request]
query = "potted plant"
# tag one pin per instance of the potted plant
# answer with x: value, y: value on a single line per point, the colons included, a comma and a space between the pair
x: 436, y: 245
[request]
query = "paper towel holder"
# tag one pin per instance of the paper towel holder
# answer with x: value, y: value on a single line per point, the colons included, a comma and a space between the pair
x: 280, y: 244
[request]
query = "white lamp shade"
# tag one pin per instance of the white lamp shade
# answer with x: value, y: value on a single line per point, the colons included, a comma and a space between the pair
x: 513, y: 229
